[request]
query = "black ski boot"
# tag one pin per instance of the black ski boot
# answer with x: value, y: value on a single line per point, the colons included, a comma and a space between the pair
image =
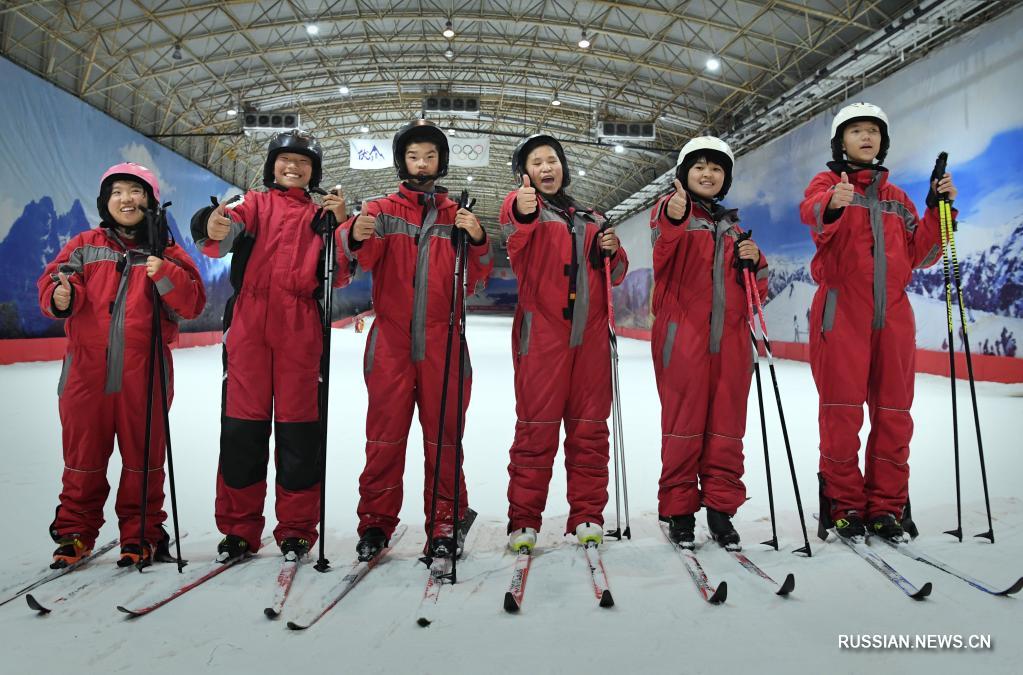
x: 850, y: 525
x: 232, y: 546
x: 681, y: 530
x: 372, y: 541
x: 134, y: 554
x: 721, y: 529
x: 162, y: 553
x: 446, y: 547
x: 295, y: 545
x: 887, y: 527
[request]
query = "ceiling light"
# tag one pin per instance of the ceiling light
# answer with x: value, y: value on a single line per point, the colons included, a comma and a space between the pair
x: 713, y: 65
x: 451, y: 132
x: 555, y: 100
x: 449, y: 52
x: 176, y: 55
x: 619, y: 148
x: 344, y: 89
x: 364, y: 129
x: 312, y: 29
x: 232, y: 112
x: 448, y: 30
x: 468, y: 179
x: 584, y: 43
x: 508, y: 163
x: 582, y: 172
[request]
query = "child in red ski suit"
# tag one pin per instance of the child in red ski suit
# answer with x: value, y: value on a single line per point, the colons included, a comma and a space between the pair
x: 869, y: 240
x: 101, y: 282
x: 701, y: 343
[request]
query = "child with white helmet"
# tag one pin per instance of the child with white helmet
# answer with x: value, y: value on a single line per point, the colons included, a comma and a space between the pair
x: 869, y: 240
x: 701, y: 343
x: 101, y: 283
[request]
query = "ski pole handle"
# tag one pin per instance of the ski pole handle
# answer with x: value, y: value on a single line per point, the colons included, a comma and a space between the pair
x: 940, y: 166
x: 743, y: 263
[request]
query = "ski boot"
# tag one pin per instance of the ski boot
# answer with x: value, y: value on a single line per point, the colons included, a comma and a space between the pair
x: 70, y: 549
x: 522, y: 538
x: 294, y: 548
x: 134, y: 554
x: 850, y: 525
x: 589, y: 533
x: 722, y: 530
x: 681, y: 530
x: 232, y: 546
x: 372, y: 541
x: 887, y: 527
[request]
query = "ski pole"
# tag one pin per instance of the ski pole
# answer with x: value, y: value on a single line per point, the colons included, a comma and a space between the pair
x: 746, y: 266
x: 781, y: 413
x: 949, y: 227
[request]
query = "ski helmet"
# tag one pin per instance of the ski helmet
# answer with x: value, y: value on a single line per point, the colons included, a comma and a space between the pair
x: 530, y: 143
x: 712, y: 148
x: 129, y: 171
x: 856, y: 112
x: 299, y: 142
x: 418, y: 131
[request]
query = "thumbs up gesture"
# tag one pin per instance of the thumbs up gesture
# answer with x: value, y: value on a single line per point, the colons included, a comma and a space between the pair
x: 62, y: 294
x: 365, y: 225
x: 218, y: 225
x: 843, y: 193
x: 525, y: 200
x: 677, y: 203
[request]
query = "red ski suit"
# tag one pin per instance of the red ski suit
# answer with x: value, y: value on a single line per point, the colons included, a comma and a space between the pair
x: 863, y: 336
x: 562, y: 360
x: 412, y: 260
x: 702, y: 357
x: 102, y: 390
x: 272, y: 346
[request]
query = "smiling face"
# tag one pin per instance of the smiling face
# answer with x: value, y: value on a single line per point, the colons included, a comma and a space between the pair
x: 292, y: 170
x: 422, y: 160
x: 862, y: 141
x: 126, y: 201
x: 705, y: 178
x: 544, y: 169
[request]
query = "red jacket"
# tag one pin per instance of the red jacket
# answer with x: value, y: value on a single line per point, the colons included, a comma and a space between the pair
x: 541, y: 250
x: 694, y: 272
x: 881, y: 219
x: 412, y: 260
x: 111, y: 302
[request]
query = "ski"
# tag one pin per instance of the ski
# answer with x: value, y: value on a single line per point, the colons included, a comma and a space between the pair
x: 85, y: 585
x: 517, y: 588
x: 598, y: 575
x: 356, y: 571
x: 221, y: 564
x: 440, y: 572
x: 286, y: 576
x: 909, y: 550
x: 714, y: 596
x: 859, y: 545
x: 49, y: 575
x: 786, y: 586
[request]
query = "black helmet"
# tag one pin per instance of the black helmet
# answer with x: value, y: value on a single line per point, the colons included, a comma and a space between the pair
x: 418, y: 131
x: 299, y: 142
x: 526, y: 146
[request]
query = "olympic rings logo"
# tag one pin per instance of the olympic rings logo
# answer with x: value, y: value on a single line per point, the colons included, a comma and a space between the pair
x: 468, y: 151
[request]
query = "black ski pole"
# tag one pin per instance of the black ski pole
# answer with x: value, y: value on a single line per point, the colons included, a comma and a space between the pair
x: 781, y: 414
x: 746, y: 268
x: 949, y: 228
x: 329, y: 225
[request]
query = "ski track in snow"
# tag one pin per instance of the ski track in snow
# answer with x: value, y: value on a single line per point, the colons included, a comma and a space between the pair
x: 658, y: 624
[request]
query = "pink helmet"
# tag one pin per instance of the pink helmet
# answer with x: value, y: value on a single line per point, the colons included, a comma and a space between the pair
x: 126, y: 171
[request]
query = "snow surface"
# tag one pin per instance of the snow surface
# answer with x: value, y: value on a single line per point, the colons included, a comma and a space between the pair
x: 658, y: 625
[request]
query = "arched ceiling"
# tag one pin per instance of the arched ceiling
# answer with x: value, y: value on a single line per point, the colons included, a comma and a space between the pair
x: 172, y: 70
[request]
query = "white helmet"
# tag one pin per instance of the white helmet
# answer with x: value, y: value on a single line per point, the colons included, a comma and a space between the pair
x: 851, y: 113
x: 702, y: 145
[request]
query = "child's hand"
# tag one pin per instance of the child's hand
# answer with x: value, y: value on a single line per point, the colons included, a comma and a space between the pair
x: 334, y: 201
x: 218, y: 225
x: 365, y: 225
x: 62, y: 294
x: 609, y: 241
x: 525, y: 198
x: 749, y: 251
x: 843, y: 194
x: 465, y: 220
x: 153, y: 265
x: 945, y: 187
x: 677, y: 203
